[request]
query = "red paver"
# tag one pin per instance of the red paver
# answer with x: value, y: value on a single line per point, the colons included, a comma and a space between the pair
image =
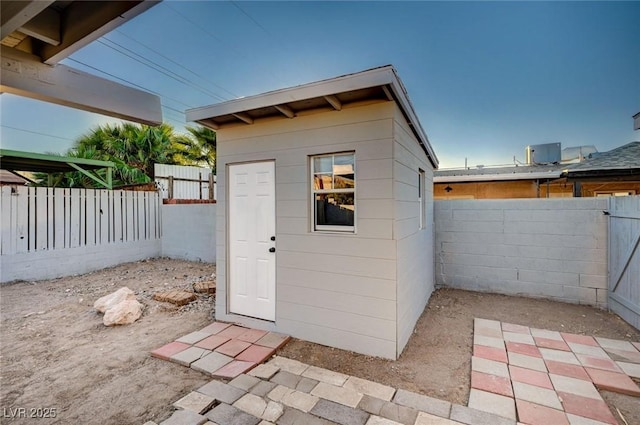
x: 491, y: 383
x: 168, y: 350
x: 529, y: 350
x: 529, y: 376
x: 612, y: 381
x: 216, y: 327
x: 580, y: 339
x: 490, y: 353
x: 510, y: 327
x: 212, y: 342
x: 273, y: 340
x: 587, y: 408
x: 535, y: 414
x: 233, y: 369
x: 551, y: 343
x: 252, y: 335
x: 232, y: 331
x: 233, y: 347
x: 256, y: 354
x: 598, y: 363
x: 566, y: 369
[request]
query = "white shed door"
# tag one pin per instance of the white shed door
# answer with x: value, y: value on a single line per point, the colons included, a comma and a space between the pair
x: 252, y: 230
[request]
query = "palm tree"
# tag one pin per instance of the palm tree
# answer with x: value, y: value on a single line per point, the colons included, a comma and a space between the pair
x: 196, y: 148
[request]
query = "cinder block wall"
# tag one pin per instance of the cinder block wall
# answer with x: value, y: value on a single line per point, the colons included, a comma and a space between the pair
x: 548, y: 248
x: 189, y: 232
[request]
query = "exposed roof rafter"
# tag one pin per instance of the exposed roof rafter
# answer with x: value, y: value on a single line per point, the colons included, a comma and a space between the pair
x: 244, y: 117
x: 285, y: 110
x: 16, y: 14
x: 334, y: 102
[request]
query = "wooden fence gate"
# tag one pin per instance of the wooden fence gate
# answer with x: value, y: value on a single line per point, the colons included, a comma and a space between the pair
x: 624, y: 258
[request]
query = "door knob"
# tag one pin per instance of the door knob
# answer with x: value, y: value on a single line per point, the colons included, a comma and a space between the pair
x: 273, y: 238
x: 272, y: 249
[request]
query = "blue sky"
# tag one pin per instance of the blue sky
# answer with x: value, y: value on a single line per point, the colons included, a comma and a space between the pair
x: 486, y: 78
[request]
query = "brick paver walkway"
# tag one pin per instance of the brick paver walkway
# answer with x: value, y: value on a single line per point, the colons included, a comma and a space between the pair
x: 532, y: 376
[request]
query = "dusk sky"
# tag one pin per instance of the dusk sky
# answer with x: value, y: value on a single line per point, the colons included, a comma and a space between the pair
x: 486, y: 78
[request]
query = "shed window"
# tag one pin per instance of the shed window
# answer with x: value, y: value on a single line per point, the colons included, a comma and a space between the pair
x: 333, y: 192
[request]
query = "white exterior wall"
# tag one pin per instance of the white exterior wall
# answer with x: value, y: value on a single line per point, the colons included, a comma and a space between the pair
x: 415, y: 272
x: 548, y: 248
x: 189, y: 232
x: 333, y: 289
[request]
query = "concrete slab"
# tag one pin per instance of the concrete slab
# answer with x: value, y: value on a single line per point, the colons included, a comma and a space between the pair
x: 551, y: 343
x: 287, y: 379
x: 252, y: 335
x: 422, y: 402
x: 233, y: 347
x: 325, y: 375
x: 395, y: 412
x: 427, y: 419
x: 612, y: 381
x: 264, y: 371
x: 273, y: 340
x: 377, y: 420
x: 598, y: 363
x: 537, y: 395
x: 616, y: 344
x: 339, y: 413
x: 511, y: 327
x: 211, y: 362
x: 488, y: 341
x: 587, y: 408
x: 518, y: 337
x: 574, y: 386
x: 212, y: 342
x: 543, y: 333
x: 526, y: 349
x: 342, y: 395
x: 256, y: 354
x: 226, y: 414
x: 580, y: 339
x: 215, y: 327
x: 588, y: 350
x: 244, y: 382
x: 196, y: 402
x: 492, y: 403
x: 491, y: 383
x: 184, y: 417
x: 299, y: 400
x: 306, y: 385
x: 289, y: 365
x: 251, y: 404
x: 166, y: 351
x: 579, y: 420
x: 189, y: 356
x: 527, y: 362
x: 631, y: 369
x: 531, y: 377
x: 363, y: 386
x: 263, y: 388
x: 193, y: 337
x: 296, y: 417
x: 233, y: 369
x: 490, y: 353
x: 273, y: 411
x: 565, y: 369
x: 492, y: 367
x: 222, y: 392
x: 232, y: 331
x: 470, y: 416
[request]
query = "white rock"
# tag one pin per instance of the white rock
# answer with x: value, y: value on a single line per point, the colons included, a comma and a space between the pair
x: 105, y: 303
x: 125, y: 312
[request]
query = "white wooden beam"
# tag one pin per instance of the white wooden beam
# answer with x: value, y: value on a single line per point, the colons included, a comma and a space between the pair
x: 23, y: 74
x: 334, y: 102
x: 91, y: 20
x: 14, y: 14
x: 285, y: 110
x: 44, y: 27
x: 244, y: 117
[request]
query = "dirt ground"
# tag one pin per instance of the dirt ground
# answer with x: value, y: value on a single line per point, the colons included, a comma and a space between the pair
x: 437, y: 359
x: 55, y: 352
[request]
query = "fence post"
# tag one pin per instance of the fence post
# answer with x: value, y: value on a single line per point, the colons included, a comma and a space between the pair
x: 170, y: 189
x: 211, y: 183
x: 200, y: 186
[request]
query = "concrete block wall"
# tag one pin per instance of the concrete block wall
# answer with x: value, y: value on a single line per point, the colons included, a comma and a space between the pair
x: 547, y: 248
x: 189, y: 232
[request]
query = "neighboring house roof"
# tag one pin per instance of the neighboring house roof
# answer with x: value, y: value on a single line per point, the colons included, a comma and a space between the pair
x: 376, y: 83
x: 624, y: 159
x: 522, y: 172
x: 7, y: 177
x: 636, y: 121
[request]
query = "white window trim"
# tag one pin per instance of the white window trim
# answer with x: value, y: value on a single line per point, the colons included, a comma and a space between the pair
x: 329, y: 228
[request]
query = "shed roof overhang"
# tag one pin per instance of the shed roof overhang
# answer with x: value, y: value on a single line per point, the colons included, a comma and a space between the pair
x: 36, y: 162
x: 37, y: 34
x: 380, y: 83
x: 544, y: 175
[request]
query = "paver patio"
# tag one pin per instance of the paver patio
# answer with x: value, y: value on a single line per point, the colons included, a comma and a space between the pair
x: 518, y: 375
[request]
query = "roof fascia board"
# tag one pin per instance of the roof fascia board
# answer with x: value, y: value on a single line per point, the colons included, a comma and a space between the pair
x: 26, y: 76
x: 371, y: 78
x: 92, y: 20
x: 496, y: 177
x: 53, y: 158
x: 17, y: 13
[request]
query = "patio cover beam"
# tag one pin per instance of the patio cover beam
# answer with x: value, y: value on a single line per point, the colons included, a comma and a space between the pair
x: 17, y: 13
x: 23, y: 74
x: 95, y: 178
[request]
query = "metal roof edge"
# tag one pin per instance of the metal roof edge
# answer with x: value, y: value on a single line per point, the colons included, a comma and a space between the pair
x: 497, y: 177
x: 55, y: 158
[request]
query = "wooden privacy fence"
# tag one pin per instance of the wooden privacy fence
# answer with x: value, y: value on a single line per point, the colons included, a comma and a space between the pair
x: 624, y: 258
x: 40, y: 218
x: 185, y: 182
